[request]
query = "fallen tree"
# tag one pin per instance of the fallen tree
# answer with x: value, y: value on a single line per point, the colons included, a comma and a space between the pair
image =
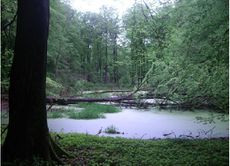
x: 126, y: 101
x: 74, y: 100
x: 106, y: 91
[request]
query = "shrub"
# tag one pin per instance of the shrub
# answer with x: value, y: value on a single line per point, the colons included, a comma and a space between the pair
x: 111, y: 130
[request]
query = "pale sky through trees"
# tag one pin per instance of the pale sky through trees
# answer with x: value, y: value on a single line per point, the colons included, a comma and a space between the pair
x: 95, y: 5
x: 120, y: 5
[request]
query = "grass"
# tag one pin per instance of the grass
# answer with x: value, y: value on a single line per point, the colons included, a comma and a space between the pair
x: 55, y: 114
x: 93, y: 150
x: 90, y: 111
x: 111, y: 130
x: 102, y: 108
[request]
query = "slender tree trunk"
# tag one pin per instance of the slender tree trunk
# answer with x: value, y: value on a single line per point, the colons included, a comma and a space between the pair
x: 57, y: 61
x: 133, y: 49
x: 88, y: 58
x: 98, y: 68
x: 28, y: 134
x: 100, y: 65
x: 106, y: 59
x: 115, y: 58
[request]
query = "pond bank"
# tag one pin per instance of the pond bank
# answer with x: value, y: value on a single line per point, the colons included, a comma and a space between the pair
x: 93, y: 150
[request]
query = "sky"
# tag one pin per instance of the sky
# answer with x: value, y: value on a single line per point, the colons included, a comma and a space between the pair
x: 95, y: 5
x: 120, y: 5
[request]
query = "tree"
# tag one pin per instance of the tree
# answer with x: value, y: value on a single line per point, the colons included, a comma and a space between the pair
x: 8, y: 16
x: 28, y: 134
x: 187, y: 42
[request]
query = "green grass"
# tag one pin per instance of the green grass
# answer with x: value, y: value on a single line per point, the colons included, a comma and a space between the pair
x: 55, y: 114
x: 102, y: 108
x: 93, y: 150
x: 111, y: 130
x: 85, y: 115
x: 94, y: 111
x: 90, y: 111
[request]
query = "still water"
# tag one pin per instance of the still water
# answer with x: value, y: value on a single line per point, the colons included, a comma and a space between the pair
x: 149, y: 124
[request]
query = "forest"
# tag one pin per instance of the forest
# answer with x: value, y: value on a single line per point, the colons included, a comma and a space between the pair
x: 175, y: 51
x: 183, y: 45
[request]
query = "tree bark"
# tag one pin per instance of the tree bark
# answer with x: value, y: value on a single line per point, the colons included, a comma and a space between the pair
x: 28, y: 134
x: 115, y: 68
x: 106, y: 74
x: 65, y: 101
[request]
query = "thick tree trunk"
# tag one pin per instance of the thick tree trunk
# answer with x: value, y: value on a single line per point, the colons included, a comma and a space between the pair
x: 28, y: 134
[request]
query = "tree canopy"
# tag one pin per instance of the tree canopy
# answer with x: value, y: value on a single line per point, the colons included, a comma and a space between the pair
x: 184, y: 43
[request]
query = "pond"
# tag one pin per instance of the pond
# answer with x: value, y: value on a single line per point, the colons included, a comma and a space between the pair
x: 150, y: 124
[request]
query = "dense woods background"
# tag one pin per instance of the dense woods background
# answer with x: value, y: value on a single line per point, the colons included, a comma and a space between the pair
x: 183, y: 46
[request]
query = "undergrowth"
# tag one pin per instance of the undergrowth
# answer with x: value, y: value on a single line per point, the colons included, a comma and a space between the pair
x: 93, y: 150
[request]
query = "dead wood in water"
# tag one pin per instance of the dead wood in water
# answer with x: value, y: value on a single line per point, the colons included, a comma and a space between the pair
x: 106, y: 91
x: 65, y: 101
x: 126, y: 101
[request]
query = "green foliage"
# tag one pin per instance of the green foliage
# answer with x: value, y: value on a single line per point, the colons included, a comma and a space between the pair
x: 85, y: 115
x: 55, y: 114
x: 82, y: 85
x: 99, y: 107
x: 93, y: 111
x: 6, y: 60
x: 119, y: 151
x: 94, y: 150
x: 89, y: 111
x: 188, y: 45
x: 81, y: 46
x: 186, y: 42
x: 53, y: 88
x: 8, y: 11
x: 111, y: 130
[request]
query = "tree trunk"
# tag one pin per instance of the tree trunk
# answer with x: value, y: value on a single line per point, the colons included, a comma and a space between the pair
x: 66, y: 101
x: 88, y: 58
x: 115, y: 77
x: 99, y: 63
x: 106, y: 74
x: 28, y: 134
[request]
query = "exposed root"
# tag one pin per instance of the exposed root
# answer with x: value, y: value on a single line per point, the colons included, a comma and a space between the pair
x: 56, y: 152
x: 4, y: 130
x: 54, y: 156
x: 60, y: 151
